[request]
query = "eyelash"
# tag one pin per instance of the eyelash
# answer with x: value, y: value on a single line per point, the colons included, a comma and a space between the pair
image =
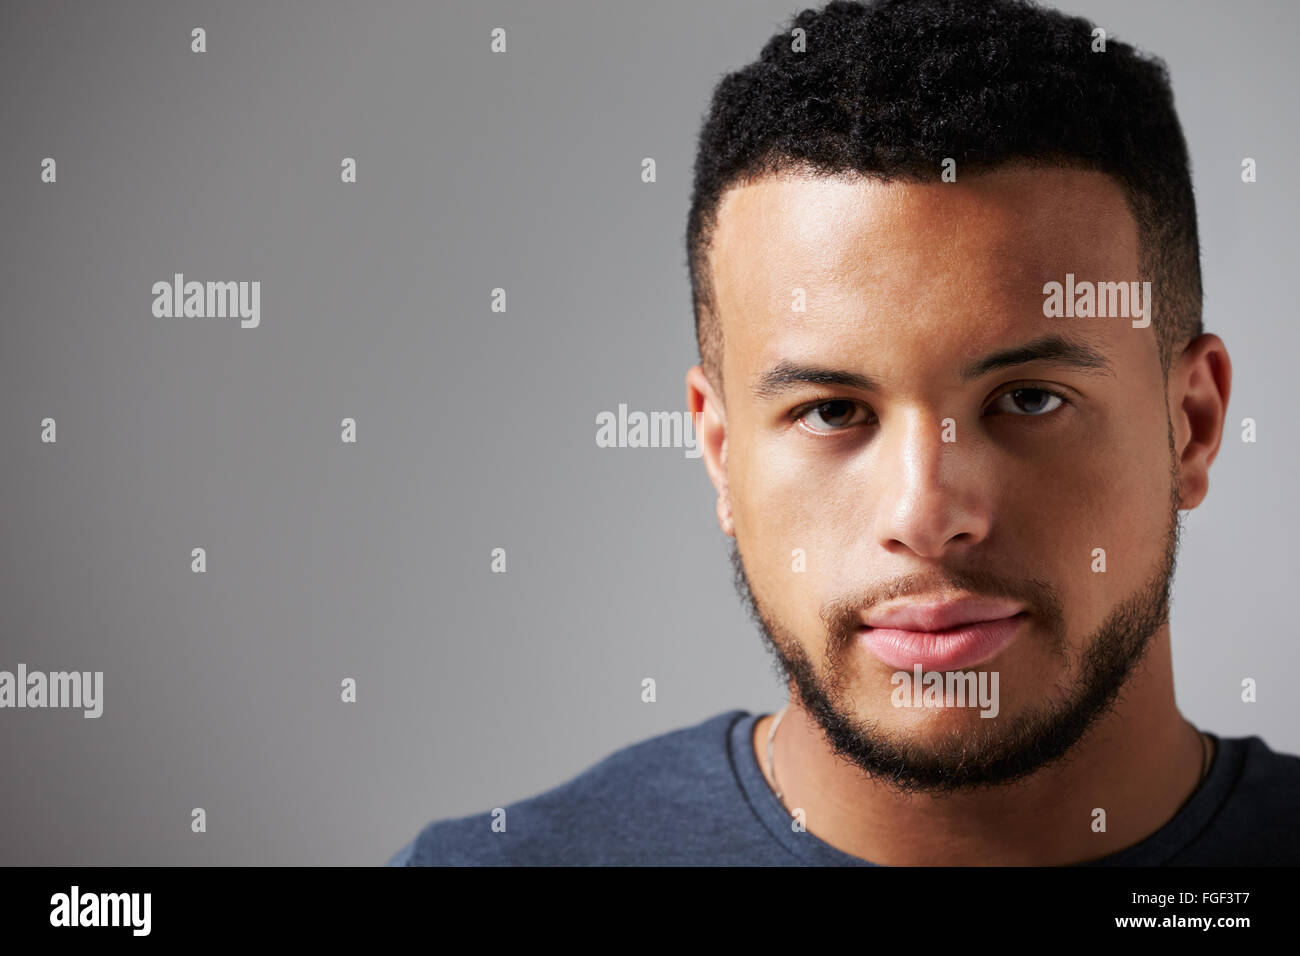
x: 797, y: 414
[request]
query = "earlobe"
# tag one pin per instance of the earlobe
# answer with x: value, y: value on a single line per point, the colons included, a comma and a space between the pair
x: 725, y: 520
x: 1193, y: 486
x: 724, y: 517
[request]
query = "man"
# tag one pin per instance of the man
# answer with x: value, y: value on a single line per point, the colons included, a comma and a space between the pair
x: 954, y: 391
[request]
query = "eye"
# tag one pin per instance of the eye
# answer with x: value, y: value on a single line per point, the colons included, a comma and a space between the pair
x: 1030, y: 402
x: 832, y: 416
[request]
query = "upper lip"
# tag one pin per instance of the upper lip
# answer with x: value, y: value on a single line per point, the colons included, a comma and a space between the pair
x: 939, y: 615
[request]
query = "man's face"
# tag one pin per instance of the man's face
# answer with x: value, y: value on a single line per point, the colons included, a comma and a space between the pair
x: 932, y: 478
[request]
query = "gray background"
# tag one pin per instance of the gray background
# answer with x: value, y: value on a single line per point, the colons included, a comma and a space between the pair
x: 476, y: 429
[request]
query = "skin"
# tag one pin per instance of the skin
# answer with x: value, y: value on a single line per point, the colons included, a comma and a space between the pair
x: 908, y: 283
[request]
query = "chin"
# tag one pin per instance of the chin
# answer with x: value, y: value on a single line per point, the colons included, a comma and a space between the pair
x: 936, y: 725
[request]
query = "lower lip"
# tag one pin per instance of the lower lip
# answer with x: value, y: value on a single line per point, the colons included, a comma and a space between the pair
x: 954, y: 649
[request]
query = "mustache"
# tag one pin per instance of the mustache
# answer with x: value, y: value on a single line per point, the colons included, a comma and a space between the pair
x: 842, y: 616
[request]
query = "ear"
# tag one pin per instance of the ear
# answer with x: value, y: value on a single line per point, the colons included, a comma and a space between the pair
x: 1199, y: 384
x: 710, y: 420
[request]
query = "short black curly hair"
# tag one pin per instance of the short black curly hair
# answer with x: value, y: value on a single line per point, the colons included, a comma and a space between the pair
x: 890, y: 88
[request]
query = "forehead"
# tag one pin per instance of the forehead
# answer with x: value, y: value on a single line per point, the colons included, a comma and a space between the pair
x: 881, y: 265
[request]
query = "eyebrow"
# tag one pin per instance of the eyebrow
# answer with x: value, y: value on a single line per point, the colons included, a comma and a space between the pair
x: 1055, y: 349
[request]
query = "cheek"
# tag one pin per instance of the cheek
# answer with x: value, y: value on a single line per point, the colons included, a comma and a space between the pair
x: 785, y: 530
x: 1133, y: 514
x: 1106, y: 500
x: 782, y: 502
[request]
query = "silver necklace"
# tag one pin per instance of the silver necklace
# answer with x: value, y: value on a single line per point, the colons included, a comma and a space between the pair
x: 771, y: 752
x: 771, y: 763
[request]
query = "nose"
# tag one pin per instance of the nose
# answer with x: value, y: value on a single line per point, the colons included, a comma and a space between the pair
x: 936, y: 496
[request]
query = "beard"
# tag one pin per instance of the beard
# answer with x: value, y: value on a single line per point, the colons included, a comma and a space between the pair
x: 995, y: 755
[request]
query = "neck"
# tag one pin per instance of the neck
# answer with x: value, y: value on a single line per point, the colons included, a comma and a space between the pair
x: 1139, y: 763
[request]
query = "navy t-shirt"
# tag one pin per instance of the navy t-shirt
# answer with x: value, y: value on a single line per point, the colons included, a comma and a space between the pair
x: 697, y: 796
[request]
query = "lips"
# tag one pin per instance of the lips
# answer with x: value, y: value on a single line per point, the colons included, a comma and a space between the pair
x: 951, y: 635
x: 941, y: 615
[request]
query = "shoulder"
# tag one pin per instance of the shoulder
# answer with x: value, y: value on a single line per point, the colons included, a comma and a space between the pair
x: 1256, y: 823
x: 1270, y: 782
x: 616, y: 811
